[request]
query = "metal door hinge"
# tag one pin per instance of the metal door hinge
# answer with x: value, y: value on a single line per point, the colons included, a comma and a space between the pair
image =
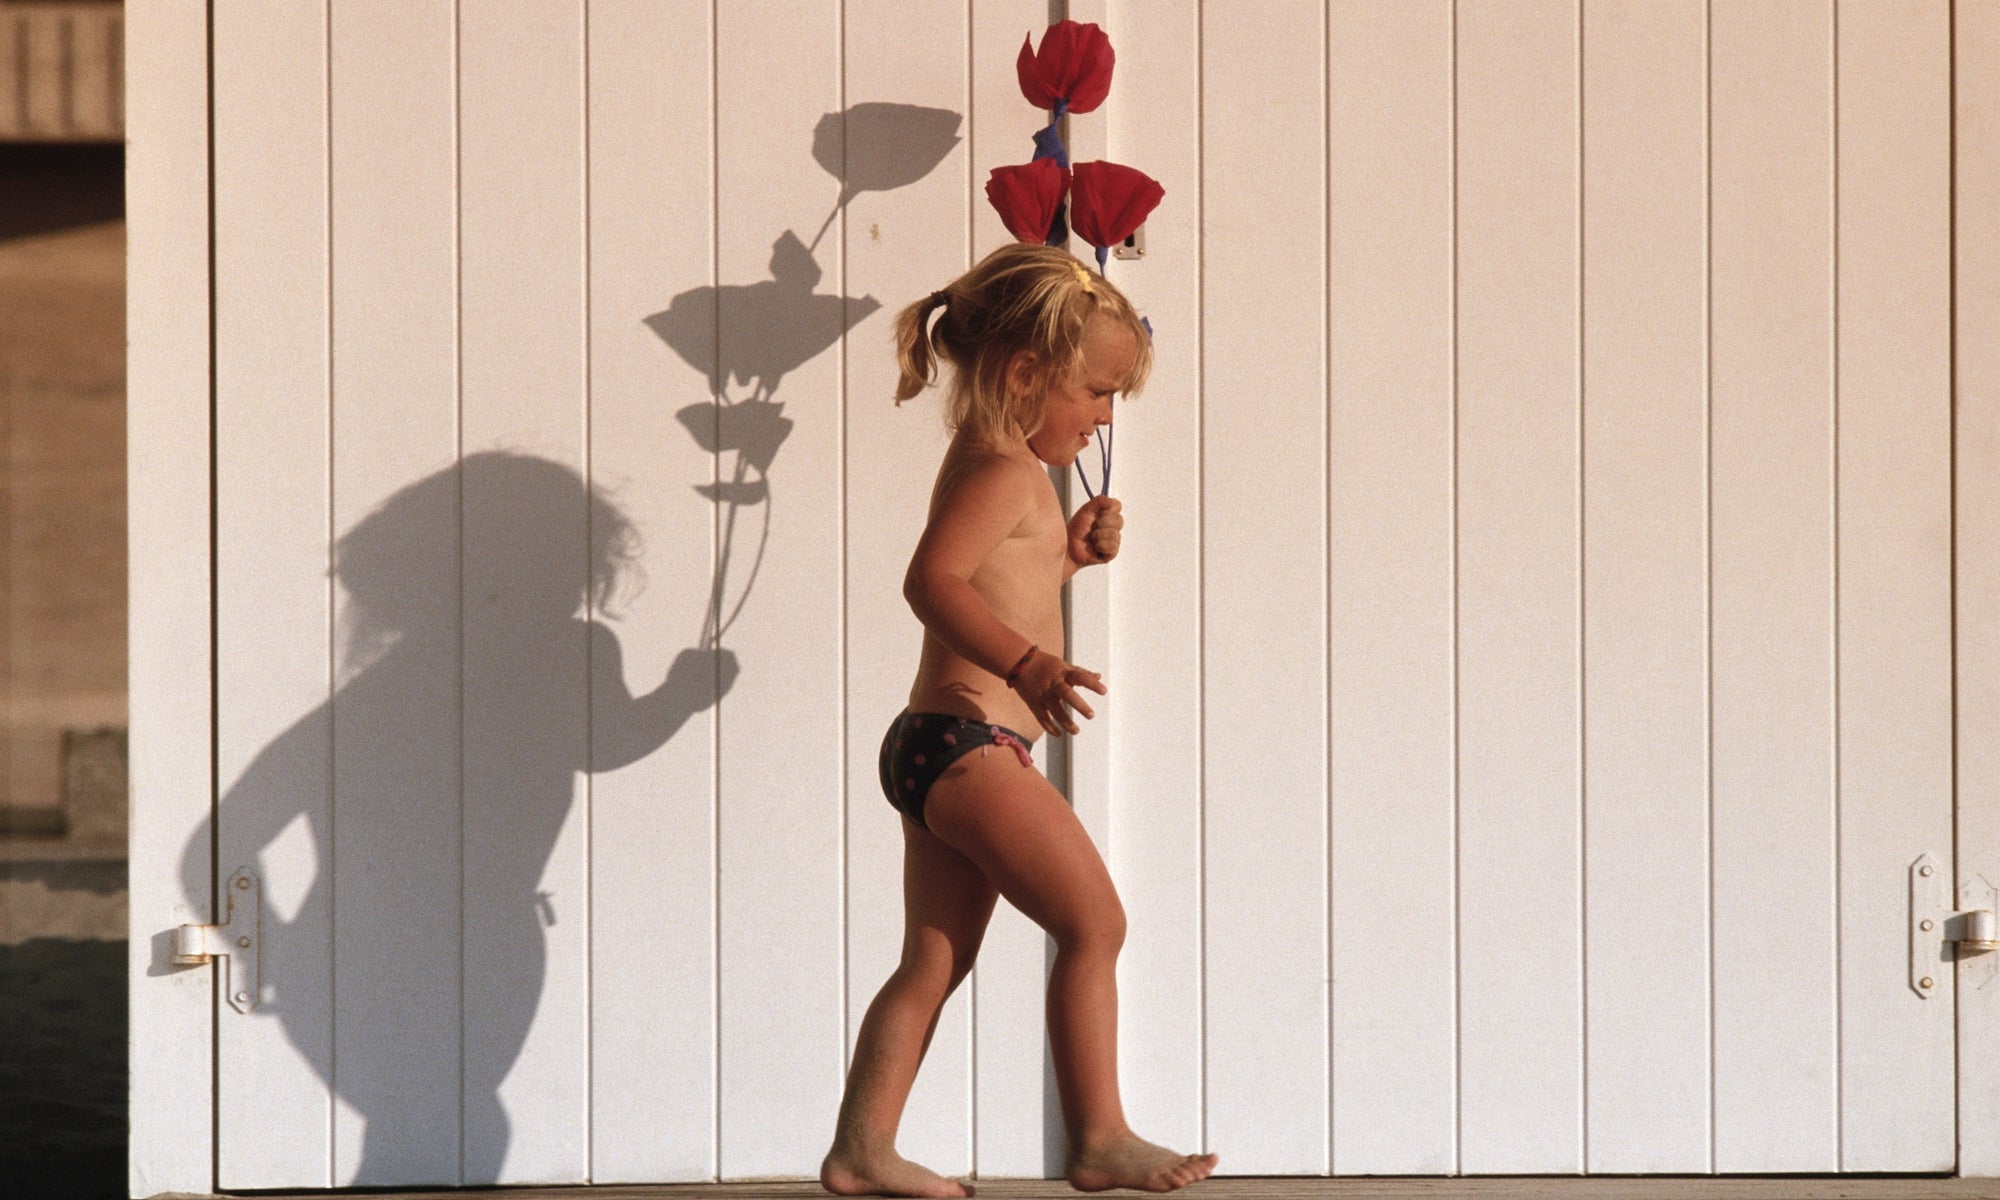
x: 1941, y: 935
x: 237, y: 941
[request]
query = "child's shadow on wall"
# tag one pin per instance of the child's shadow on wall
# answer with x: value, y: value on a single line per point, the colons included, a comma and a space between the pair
x: 403, y: 951
x: 466, y: 618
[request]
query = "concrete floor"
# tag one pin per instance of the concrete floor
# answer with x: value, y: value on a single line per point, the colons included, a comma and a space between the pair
x: 1509, y: 1188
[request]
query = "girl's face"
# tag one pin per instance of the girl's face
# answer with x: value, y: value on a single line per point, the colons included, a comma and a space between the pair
x: 1073, y: 408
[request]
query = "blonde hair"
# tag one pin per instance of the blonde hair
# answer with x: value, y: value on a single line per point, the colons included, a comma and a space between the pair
x: 1022, y: 298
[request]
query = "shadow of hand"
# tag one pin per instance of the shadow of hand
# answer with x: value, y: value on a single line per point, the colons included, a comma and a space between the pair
x: 707, y: 673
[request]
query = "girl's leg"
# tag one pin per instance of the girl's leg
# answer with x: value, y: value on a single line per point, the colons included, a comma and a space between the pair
x: 1006, y: 818
x: 946, y: 904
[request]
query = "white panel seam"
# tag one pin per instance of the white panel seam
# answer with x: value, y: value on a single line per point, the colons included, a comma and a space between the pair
x: 714, y: 562
x: 591, y: 616
x: 1708, y: 529
x: 214, y: 780
x: 971, y: 982
x: 1451, y: 456
x: 840, y: 538
x: 1583, y: 759
x: 1201, y: 565
x: 1950, y: 978
x: 1833, y: 507
x: 1326, y: 541
x: 332, y: 635
x: 1960, y: 1024
x: 458, y: 460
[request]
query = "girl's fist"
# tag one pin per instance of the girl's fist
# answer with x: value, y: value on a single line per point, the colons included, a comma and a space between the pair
x: 1094, y: 532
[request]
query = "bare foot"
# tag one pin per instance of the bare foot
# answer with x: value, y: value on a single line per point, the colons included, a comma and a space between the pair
x: 884, y: 1174
x: 1133, y: 1162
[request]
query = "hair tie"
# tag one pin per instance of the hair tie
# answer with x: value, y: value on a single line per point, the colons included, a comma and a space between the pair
x: 939, y: 298
x: 1082, y: 277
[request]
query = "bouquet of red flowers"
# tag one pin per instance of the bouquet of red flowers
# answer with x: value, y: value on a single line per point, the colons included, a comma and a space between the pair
x: 1107, y: 201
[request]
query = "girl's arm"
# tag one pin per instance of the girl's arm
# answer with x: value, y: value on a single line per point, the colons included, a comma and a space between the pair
x: 981, y: 509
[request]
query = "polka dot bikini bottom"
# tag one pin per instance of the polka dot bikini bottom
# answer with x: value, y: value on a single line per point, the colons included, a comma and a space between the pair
x: 919, y: 746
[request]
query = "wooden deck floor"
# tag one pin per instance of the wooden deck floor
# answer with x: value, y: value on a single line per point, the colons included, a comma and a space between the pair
x: 1655, y: 1187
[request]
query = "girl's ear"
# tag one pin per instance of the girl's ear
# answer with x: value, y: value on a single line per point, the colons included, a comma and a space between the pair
x: 1022, y: 372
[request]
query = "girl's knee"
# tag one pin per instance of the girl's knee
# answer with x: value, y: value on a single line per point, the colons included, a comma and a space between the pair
x: 1111, y: 934
x: 1099, y: 931
x: 929, y: 968
x: 924, y: 988
x: 961, y: 967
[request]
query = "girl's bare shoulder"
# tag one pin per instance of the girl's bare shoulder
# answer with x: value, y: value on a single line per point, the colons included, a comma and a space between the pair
x: 978, y: 472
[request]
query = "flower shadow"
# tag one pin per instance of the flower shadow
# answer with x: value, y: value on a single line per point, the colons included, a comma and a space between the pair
x: 751, y: 336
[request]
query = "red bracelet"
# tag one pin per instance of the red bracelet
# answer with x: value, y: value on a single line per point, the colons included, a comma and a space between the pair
x: 1014, y: 675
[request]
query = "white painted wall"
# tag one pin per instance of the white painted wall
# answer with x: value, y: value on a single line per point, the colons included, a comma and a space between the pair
x: 1531, y: 657
x: 171, y: 1022
x: 1976, y: 408
x: 1572, y: 691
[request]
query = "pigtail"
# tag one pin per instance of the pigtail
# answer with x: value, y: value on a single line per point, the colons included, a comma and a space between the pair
x: 916, y: 352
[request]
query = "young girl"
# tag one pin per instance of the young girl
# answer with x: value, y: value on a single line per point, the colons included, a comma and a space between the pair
x: 1038, y: 347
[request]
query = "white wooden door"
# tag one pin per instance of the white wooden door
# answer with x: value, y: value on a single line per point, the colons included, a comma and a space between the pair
x: 1532, y: 652
x: 557, y: 599
x: 1540, y: 710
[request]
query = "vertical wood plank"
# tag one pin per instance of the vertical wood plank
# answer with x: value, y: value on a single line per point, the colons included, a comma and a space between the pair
x: 273, y: 611
x: 1017, y: 1128
x: 1976, y: 357
x: 1081, y: 765
x: 1002, y: 123
x: 900, y: 242
x: 1389, y: 602
x: 652, y: 831
x: 1264, y: 608
x: 1153, y: 115
x: 1645, y: 573
x: 395, y: 839
x: 527, y: 564
x: 1520, y: 931
x: 1086, y: 763
x: 1893, y: 358
x: 780, y: 861
x: 171, y: 878
x: 1771, y: 443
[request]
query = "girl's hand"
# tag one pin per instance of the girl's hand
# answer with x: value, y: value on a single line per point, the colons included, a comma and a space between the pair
x: 1094, y: 532
x: 1049, y: 686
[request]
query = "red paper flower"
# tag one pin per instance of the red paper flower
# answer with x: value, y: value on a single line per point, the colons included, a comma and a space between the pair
x: 1027, y: 196
x: 1074, y: 65
x: 1108, y: 201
